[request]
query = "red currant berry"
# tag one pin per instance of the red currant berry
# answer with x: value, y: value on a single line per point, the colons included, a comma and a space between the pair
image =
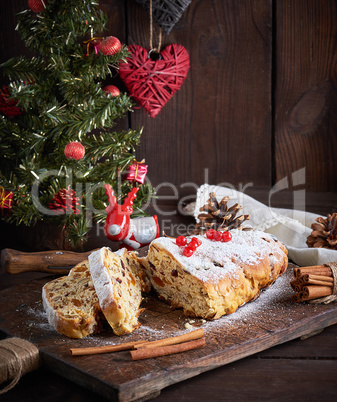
x: 193, y: 246
x: 210, y: 233
x: 217, y: 236
x: 196, y: 241
x: 226, y: 236
x: 188, y: 252
x: 181, y: 241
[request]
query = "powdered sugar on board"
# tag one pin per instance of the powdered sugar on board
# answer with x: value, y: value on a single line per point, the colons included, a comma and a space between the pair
x: 272, y: 301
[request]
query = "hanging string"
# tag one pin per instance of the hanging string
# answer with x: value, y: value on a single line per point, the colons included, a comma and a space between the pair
x: 151, y: 32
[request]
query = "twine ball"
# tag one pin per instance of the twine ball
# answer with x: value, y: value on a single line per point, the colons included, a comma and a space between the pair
x: 17, y: 357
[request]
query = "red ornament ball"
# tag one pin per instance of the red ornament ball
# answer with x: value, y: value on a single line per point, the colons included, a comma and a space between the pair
x: 111, y: 89
x: 74, y: 150
x: 37, y: 6
x: 110, y: 46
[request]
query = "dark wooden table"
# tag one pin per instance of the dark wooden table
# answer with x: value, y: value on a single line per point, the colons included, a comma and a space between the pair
x: 300, y: 370
x: 296, y: 371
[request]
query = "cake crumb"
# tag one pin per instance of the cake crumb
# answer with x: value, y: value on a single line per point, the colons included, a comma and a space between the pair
x: 188, y: 325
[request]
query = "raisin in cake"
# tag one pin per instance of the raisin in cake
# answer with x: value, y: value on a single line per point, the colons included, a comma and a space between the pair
x: 71, y: 303
x: 118, y: 280
x: 220, y: 276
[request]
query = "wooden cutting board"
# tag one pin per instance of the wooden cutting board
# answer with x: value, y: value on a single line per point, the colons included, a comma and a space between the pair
x: 270, y: 320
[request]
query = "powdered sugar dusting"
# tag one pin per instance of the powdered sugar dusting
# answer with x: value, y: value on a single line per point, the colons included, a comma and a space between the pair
x: 100, y: 277
x: 214, y: 259
x: 120, y: 252
x: 271, y: 301
x: 38, y: 318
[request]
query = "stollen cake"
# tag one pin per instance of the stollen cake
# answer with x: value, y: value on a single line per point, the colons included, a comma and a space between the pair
x: 219, y: 276
x: 118, y: 280
x: 71, y: 303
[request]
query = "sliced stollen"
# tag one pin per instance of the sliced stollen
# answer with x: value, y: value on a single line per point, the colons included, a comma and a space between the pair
x: 220, y: 276
x: 71, y: 303
x: 118, y: 280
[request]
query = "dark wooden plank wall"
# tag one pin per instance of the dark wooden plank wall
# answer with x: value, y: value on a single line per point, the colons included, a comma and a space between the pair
x: 305, y: 96
x: 259, y: 101
x: 223, y: 110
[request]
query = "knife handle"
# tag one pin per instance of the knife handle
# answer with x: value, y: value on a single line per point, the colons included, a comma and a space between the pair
x: 15, y: 262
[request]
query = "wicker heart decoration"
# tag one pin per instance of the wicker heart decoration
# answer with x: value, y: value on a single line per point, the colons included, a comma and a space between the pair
x: 152, y: 83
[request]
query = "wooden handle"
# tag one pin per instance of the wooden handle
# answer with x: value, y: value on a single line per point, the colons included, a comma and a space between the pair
x: 16, y: 262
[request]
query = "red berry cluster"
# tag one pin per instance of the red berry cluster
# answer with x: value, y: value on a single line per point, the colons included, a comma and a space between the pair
x: 189, y: 248
x: 216, y: 235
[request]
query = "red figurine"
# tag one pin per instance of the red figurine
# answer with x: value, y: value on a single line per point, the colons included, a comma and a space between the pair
x: 132, y: 233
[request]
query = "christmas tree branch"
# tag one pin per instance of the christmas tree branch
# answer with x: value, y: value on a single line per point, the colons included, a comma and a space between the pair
x: 23, y: 69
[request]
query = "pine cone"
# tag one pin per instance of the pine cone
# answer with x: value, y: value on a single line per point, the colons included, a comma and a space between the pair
x: 218, y: 216
x: 324, y: 232
x: 65, y: 201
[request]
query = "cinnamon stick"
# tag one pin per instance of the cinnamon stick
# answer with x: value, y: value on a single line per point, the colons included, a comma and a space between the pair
x: 315, y: 280
x: 296, y: 285
x: 322, y: 283
x: 298, y: 297
x: 190, y: 336
x: 104, y: 349
x: 312, y: 282
x: 199, y: 333
x: 314, y: 292
x: 314, y: 270
x: 323, y: 278
x: 156, y: 351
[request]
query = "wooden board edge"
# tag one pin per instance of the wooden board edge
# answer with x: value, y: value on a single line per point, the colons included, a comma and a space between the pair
x: 136, y: 391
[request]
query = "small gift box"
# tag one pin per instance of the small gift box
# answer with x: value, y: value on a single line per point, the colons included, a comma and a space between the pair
x: 137, y: 172
x: 6, y: 198
x: 92, y: 45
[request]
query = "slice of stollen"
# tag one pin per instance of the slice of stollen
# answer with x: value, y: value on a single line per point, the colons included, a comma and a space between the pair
x: 71, y: 303
x: 118, y: 280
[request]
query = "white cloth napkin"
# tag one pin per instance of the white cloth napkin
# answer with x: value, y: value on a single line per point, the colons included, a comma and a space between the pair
x: 291, y: 227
